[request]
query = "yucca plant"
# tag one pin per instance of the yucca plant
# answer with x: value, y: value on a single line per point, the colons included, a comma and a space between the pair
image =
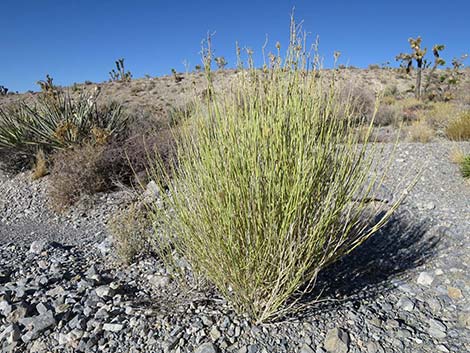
x: 59, y: 121
x: 270, y: 186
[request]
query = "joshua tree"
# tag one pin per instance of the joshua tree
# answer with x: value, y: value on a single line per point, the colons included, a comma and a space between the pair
x: 418, y: 55
x: 3, y: 91
x: 120, y: 73
x: 176, y: 76
x: 220, y: 61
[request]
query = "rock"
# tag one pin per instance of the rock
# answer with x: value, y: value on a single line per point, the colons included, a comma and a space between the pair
x: 152, y: 192
x: 37, y: 247
x: 406, y: 304
x: 41, y: 308
x: 442, y: 348
x: 10, y: 334
x: 17, y: 314
x: 252, y: 348
x: 425, y: 279
x: 38, y: 346
x: 215, y: 333
x: 71, y: 339
x: 437, y: 329
x: 104, y: 291
x: 113, y: 327
x: 464, y: 319
x: 306, y: 349
x: 206, y: 348
x: 37, y: 324
x: 105, y: 246
x: 5, y: 308
x: 337, y: 341
x: 372, y: 347
x: 454, y: 293
x: 158, y: 281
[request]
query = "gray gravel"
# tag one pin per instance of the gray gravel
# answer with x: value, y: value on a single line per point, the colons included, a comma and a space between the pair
x: 406, y: 290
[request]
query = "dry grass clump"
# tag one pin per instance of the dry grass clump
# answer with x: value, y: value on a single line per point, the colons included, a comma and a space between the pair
x: 440, y: 114
x: 130, y: 229
x: 77, y: 172
x: 420, y: 131
x: 40, y: 166
x: 457, y: 155
x: 459, y: 129
x: 270, y: 187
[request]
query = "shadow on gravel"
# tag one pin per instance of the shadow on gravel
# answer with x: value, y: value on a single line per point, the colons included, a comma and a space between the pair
x: 399, y: 246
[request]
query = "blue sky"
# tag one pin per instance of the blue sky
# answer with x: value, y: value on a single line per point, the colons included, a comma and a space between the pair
x: 78, y: 40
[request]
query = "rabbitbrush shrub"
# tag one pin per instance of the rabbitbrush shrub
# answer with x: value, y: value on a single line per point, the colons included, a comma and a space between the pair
x: 270, y: 186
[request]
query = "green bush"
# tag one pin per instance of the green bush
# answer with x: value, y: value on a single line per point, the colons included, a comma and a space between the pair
x: 270, y: 187
x: 465, y: 167
x: 57, y: 121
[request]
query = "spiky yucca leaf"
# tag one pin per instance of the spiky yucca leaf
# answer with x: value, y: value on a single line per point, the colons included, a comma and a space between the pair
x: 57, y: 122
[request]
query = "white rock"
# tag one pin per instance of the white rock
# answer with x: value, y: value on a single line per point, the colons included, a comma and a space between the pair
x: 113, y: 327
x: 337, y: 341
x: 425, y: 279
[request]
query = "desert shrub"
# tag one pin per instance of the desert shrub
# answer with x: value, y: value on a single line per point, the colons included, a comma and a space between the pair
x: 77, y: 172
x: 440, y: 114
x: 411, y: 109
x: 269, y: 188
x: 362, y: 103
x: 459, y: 128
x: 57, y: 121
x: 465, y: 167
x: 130, y: 229
x: 420, y: 131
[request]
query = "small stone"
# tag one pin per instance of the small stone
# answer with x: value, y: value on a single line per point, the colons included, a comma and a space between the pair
x: 337, y: 341
x: 37, y: 247
x: 11, y: 334
x: 215, y: 333
x: 454, y: 293
x: 104, y: 291
x: 41, y: 308
x: 464, y: 319
x: 253, y: 348
x: 158, y: 281
x: 105, y: 246
x: 56, y: 292
x: 17, y: 314
x: 206, y: 348
x: 406, y: 304
x: 37, y: 324
x: 5, y: 308
x: 437, y: 329
x: 442, y: 348
x: 113, y: 327
x: 428, y: 206
x: 371, y: 347
x: 425, y: 279
x: 306, y: 349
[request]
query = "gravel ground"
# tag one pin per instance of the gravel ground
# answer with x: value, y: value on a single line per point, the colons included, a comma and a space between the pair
x: 407, y: 289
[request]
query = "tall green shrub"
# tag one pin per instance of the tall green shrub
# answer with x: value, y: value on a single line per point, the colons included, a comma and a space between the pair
x: 270, y: 186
